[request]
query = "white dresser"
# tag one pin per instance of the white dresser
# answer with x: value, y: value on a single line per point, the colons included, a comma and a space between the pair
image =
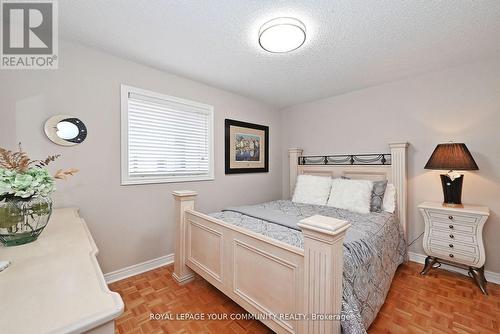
x: 455, y: 235
x: 55, y: 285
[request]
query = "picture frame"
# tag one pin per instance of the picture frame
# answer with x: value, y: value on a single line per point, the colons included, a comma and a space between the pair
x: 246, y: 147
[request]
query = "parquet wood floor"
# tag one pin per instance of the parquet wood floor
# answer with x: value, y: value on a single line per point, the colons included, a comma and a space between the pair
x: 441, y: 302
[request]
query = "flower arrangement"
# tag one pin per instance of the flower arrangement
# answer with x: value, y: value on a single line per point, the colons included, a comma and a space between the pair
x: 25, y: 189
x: 25, y: 178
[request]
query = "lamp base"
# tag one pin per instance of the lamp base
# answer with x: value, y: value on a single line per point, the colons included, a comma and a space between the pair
x: 452, y: 191
x: 452, y: 205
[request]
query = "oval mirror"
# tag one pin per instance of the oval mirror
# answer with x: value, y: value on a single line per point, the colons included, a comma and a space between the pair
x: 65, y: 130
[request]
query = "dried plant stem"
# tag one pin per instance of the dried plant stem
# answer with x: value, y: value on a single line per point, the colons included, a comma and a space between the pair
x: 20, y: 162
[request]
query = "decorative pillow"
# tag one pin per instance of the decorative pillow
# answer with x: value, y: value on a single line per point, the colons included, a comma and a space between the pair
x: 378, y: 193
x: 352, y: 195
x: 311, y: 189
x: 389, y: 203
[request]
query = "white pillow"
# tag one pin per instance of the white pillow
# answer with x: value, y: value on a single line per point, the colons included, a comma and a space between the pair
x: 352, y: 195
x: 389, y: 203
x: 311, y: 189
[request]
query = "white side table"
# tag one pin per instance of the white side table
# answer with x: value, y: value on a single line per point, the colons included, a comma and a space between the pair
x: 455, y: 236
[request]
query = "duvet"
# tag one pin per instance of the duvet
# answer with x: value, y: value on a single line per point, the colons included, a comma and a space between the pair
x: 373, y: 249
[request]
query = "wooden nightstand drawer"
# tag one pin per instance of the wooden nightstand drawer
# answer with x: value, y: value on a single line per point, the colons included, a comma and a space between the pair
x: 452, y: 217
x: 453, y: 246
x: 450, y: 236
x: 453, y: 256
x: 453, y: 226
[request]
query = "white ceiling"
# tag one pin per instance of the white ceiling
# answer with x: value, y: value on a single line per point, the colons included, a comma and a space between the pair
x: 351, y: 44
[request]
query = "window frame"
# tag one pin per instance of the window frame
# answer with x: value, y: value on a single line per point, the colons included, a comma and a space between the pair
x: 126, y: 179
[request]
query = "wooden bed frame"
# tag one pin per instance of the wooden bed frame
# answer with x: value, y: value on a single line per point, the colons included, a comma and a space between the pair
x: 280, y: 283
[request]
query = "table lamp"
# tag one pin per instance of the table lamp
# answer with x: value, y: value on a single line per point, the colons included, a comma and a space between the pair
x: 452, y: 157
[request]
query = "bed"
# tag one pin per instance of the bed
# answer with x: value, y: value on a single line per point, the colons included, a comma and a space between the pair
x: 334, y: 270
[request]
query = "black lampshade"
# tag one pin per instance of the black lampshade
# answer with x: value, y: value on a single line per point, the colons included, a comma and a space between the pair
x: 451, y: 156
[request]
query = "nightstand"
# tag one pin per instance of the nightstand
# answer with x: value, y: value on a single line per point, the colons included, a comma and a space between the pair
x: 454, y: 235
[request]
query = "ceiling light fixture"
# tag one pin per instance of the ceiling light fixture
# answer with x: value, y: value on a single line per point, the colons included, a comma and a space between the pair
x: 283, y: 34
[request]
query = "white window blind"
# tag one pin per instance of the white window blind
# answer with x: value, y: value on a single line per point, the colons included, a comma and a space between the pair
x: 167, y: 139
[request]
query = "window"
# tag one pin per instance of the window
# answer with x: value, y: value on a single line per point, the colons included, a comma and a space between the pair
x: 165, y: 139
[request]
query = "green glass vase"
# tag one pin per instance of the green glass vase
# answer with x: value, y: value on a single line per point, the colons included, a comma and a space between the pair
x: 22, y: 220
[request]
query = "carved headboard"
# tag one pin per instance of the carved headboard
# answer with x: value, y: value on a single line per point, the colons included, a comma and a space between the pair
x: 390, y: 166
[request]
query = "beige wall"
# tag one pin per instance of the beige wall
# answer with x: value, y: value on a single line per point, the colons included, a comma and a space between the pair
x: 460, y: 104
x: 130, y: 224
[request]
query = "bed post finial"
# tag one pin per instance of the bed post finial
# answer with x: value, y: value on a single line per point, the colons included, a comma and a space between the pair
x: 184, y: 200
x: 399, y: 179
x: 323, y: 272
x: 293, y: 157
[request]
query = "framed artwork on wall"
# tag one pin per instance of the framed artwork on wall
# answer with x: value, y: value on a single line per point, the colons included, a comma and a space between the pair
x: 246, y: 147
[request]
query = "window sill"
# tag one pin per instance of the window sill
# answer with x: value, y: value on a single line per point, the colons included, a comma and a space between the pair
x: 139, y: 181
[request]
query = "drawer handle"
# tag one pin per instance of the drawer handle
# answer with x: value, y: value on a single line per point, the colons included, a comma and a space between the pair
x: 452, y: 236
x: 450, y: 217
x: 451, y: 245
x: 451, y: 226
x: 451, y: 255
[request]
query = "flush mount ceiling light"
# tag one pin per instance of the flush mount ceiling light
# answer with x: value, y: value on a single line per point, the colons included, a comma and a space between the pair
x: 283, y: 34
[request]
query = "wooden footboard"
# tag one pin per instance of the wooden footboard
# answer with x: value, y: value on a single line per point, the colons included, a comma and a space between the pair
x: 289, y: 289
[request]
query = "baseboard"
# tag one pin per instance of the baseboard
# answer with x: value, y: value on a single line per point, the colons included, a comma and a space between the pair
x: 139, y: 268
x: 490, y: 275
